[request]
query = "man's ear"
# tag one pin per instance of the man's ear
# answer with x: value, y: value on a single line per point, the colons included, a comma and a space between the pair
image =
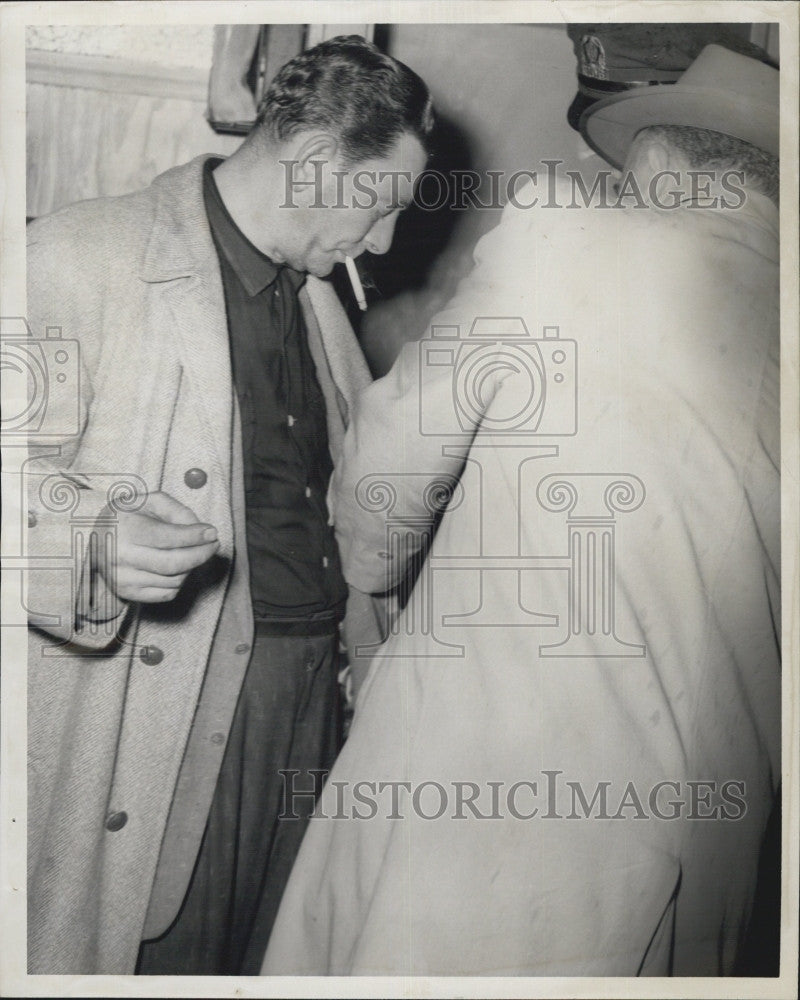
x: 659, y: 156
x: 312, y: 157
x: 320, y: 147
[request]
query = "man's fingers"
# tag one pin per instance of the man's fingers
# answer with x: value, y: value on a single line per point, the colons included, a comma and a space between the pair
x: 167, y: 562
x: 154, y: 595
x: 134, y: 581
x: 144, y: 593
x: 155, y: 534
x: 163, y: 507
x: 157, y: 547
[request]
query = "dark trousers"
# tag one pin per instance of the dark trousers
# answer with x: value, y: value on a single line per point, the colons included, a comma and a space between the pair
x: 286, y: 719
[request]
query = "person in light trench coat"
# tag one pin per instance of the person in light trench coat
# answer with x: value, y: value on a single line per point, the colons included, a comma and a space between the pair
x: 113, y: 687
x: 535, y: 779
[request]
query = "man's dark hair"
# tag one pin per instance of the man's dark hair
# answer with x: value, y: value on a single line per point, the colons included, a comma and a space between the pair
x: 350, y: 88
x: 707, y: 150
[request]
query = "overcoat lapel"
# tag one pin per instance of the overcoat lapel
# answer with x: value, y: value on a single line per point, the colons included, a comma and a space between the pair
x: 204, y: 351
x: 346, y: 362
x: 182, y: 260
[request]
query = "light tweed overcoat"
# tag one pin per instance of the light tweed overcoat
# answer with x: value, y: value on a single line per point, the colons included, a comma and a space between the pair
x: 123, y: 751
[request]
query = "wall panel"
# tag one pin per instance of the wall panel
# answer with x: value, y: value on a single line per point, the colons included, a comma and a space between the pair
x: 114, y: 133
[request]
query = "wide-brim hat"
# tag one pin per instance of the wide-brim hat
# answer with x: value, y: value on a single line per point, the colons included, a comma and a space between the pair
x: 721, y: 91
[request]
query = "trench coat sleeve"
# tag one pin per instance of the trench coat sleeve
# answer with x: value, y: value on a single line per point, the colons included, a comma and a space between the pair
x: 67, y: 596
x: 388, y: 462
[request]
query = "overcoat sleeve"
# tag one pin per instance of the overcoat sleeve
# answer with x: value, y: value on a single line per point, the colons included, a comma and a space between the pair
x: 66, y: 507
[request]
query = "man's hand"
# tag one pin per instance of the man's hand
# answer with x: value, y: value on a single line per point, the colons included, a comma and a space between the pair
x: 157, y: 547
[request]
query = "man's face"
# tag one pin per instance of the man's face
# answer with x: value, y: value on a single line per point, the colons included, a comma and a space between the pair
x: 354, y: 208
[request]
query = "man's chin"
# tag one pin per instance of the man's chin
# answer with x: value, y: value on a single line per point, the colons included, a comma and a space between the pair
x: 320, y: 269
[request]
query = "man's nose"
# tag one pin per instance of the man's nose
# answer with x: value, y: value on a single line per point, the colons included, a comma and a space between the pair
x: 379, y: 238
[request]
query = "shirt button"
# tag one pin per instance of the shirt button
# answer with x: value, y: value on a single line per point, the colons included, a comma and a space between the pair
x: 115, y: 821
x: 308, y: 491
x: 325, y: 562
x: 31, y: 519
x: 290, y: 420
x: 195, y: 478
x: 218, y: 739
x: 243, y: 647
x: 151, y: 655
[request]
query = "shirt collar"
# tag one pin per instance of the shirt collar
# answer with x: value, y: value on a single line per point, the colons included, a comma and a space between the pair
x: 255, y: 270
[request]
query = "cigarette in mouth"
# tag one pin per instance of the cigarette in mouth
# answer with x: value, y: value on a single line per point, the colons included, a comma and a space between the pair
x: 355, y: 281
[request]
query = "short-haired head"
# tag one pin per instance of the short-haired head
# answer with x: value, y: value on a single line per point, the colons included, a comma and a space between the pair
x: 349, y: 88
x: 704, y: 150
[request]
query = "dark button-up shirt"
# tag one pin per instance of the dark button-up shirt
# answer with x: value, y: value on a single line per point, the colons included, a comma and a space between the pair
x: 296, y: 580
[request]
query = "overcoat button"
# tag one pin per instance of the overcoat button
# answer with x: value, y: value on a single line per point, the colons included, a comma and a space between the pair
x: 218, y: 738
x: 116, y: 821
x: 195, y: 478
x: 151, y: 655
x: 243, y: 647
x: 31, y: 519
